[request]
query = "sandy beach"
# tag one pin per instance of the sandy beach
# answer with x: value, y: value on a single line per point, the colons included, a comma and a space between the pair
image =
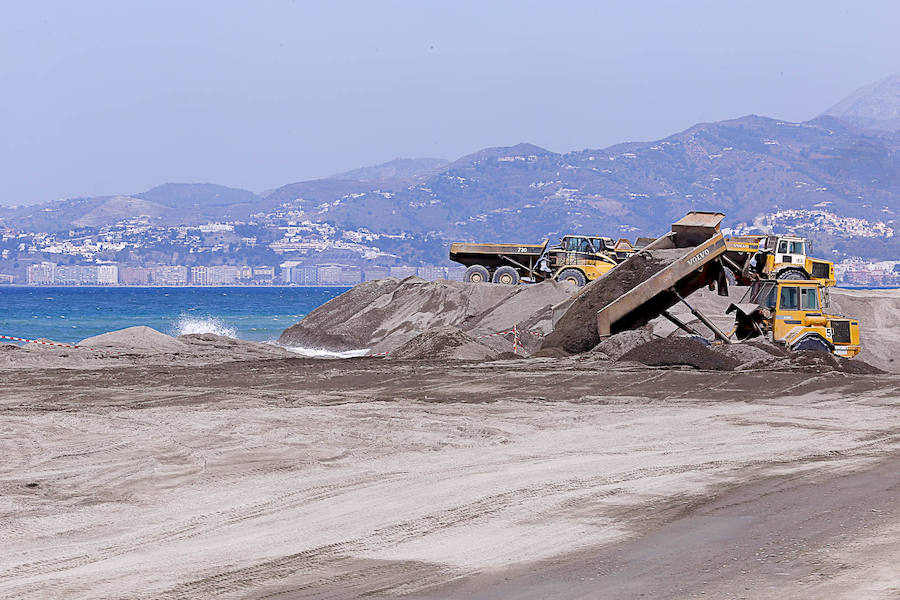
x: 537, y: 478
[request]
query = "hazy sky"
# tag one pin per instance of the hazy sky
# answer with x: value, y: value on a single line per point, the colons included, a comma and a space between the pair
x: 116, y: 97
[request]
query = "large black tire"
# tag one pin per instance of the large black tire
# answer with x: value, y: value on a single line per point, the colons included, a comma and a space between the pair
x: 812, y: 343
x: 792, y: 273
x: 476, y: 274
x: 573, y: 275
x: 506, y: 275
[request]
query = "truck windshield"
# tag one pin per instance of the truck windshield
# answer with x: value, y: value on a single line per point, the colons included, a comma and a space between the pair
x: 578, y: 244
x: 809, y: 300
x: 790, y: 298
x: 791, y: 247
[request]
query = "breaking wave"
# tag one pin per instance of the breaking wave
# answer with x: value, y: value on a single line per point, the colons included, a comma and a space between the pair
x: 186, y: 325
x: 320, y: 353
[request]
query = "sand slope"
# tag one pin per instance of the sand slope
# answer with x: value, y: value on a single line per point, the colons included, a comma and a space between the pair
x: 381, y: 315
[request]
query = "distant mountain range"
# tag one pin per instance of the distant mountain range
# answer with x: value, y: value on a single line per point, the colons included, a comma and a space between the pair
x: 835, y: 178
x: 399, y: 169
x: 875, y: 106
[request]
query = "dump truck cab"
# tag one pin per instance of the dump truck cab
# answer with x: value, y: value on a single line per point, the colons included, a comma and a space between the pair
x: 581, y: 258
x: 787, y: 257
x: 793, y: 312
x: 780, y: 257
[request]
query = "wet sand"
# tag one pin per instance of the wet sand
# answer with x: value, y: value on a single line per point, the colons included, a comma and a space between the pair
x: 539, y: 478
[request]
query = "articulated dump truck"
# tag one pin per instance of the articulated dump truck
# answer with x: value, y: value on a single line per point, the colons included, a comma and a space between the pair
x: 793, y: 312
x: 577, y: 258
x: 781, y: 257
x: 790, y: 311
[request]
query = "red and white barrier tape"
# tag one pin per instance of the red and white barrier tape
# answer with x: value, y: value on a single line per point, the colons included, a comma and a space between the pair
x: 18, y: 339
x: 515, y: 331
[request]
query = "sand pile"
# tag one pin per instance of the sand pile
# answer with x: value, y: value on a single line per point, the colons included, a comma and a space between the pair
x: 576, y: 331
x: 677, y: 351
x: 613, y: 347
x: 212, y: 346
x: 138, y: 345
x: 878, y: 312
x: 447, y: 343
x: 746, y: 356
x: 820, y: 362
x: 140, y: 339
x: 755, y: 355
x: 382, y: 315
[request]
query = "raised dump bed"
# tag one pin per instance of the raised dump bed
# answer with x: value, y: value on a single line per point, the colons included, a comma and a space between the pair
x: 688, y: 272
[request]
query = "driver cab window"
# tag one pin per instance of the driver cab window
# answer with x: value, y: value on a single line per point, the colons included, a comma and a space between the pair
x: 790, y: 299
x: 797, y: 248
x: 578, y: 245
x: 783, y: 247
x: 809, y: 300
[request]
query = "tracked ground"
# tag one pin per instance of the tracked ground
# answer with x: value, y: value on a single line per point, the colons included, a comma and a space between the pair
x: 300, y: 478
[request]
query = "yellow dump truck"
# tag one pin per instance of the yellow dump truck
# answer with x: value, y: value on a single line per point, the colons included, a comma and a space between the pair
x: 780, y: 257
x: 577, y: 258
x: 787, y: 311
x: 792, y: 312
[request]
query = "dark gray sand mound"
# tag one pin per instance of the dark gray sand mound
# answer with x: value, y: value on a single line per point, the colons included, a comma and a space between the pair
x: 576, y: 331
x: 613, y: 347
x: 761, y: 354
x: 137, y: 339
x: 336, y: 324
x: 819, y: 362
x: 382, y: 315
x: 551, y: 352
x: 210, y: 345
x: 749, y: 356
x: 443, y: 343
x: 687, y: 351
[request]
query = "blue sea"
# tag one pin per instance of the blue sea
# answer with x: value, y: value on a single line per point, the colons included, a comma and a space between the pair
x: 71, y: 314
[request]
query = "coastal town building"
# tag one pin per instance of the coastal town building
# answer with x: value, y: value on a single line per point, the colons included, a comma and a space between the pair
x: 42, y: 274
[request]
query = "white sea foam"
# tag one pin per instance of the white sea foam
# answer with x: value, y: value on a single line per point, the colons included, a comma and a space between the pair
x: 189, y: 324
x: 320, y: 353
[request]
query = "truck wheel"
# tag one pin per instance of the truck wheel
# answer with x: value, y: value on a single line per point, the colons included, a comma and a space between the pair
x: 573, y: 275
x: 811, y: 343
x: 506, y: 275
x: 476, y: 274
x: 792, y: 274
